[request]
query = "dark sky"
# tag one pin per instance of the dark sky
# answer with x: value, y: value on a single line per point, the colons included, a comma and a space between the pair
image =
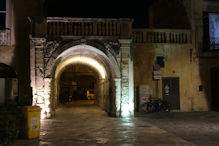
x: 136, y: 10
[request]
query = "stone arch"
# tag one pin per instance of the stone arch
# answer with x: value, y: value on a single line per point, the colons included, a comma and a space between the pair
x: 98, y: 46
x: 57, y: 63
x: 114, y: 56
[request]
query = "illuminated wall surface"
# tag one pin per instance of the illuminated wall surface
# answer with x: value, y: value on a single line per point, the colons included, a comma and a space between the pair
x: 83, y: 60
x: 214, y: 30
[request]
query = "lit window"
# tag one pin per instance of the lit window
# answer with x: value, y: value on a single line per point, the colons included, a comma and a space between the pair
x: 2, y: 14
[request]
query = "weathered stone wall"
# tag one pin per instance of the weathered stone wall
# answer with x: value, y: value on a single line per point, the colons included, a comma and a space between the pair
x: 6, y: 54
x: 23, y: 9
x: 46, y: 69
x: 179, y: 62
x: 16, y: 51
x: 103, y: 94
x: 126, y: 79
x: 207, y: 59
x: 192, y: 70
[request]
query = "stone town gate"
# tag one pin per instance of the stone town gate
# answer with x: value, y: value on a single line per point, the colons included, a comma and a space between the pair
x: 103, y: 44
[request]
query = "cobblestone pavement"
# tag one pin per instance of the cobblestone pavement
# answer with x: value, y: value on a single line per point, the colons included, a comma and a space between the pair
x: 89, y: 125
x: 200, y: 128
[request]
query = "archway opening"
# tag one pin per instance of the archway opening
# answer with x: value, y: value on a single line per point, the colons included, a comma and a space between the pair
x: 81, y: 79
x: 111, y: 92
x: 78, y: 85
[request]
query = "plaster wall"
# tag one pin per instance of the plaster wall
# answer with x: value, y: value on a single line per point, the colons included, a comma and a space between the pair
x: 180, y: 61
x: 207, y: 59
x: 18, y: 54
x: 6, y: 54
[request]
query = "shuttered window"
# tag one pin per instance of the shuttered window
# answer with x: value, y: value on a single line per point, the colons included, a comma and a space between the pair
x: 2, y: 14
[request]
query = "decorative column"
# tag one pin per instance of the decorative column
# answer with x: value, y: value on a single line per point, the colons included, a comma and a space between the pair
x: 131, y: 86
x: 37, y: 72
x: 117, y: 82
x: 127, y: 99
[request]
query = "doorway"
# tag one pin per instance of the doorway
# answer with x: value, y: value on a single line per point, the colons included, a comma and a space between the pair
x: 170, y: 91
x: 215, y: 88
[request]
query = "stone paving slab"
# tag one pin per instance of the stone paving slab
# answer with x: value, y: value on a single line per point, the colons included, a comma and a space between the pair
x: 89, y: 125
x: 200, y: 128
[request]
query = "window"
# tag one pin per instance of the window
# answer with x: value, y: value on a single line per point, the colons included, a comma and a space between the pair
x: 160, y: 61
x: 214, y: 30
x: 211, y: 31
x: 2, y: 14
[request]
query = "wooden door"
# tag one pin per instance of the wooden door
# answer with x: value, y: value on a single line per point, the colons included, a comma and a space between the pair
x: 215, y: 88
x: 170, y: 89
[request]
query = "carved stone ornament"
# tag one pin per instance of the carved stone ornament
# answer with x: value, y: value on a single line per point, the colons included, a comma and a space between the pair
x: 51, y: 47
x: 113, y: 47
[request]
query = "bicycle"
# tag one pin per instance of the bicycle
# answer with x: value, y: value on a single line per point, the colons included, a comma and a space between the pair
x: 156, y: 105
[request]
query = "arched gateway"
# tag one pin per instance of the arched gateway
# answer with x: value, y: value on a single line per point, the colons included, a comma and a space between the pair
x: 111, y: 60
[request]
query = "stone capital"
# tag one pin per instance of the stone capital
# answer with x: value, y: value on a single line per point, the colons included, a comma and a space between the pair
x: 125, y: 41
x: 38, y: 42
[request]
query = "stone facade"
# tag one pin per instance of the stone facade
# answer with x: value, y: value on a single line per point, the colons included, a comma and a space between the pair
x: 49, y: 54
x: 178, y: 47
x: 179, y: 63
x: 128, y: 55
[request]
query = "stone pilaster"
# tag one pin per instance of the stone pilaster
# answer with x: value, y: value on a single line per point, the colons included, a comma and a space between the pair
x: 47, y: 93
x: 32, y: 68
x: 117, y: 82
x: 125, y: 78
x: 37, y: 70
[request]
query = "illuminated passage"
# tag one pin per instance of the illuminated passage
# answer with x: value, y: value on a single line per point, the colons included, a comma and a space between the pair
x: 82, y: 72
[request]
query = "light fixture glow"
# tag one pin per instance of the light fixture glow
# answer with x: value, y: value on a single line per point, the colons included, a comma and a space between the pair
x: 83, y: 60
x: 125, y: 111
x: 47, y: 102
x: 47, y: 110
x: 43, y: 116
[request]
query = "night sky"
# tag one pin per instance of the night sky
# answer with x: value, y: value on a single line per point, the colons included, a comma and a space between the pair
x: 100, y: 9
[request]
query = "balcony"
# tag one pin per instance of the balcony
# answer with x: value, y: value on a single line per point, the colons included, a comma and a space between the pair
x: 51, y: 27
x: 76, y: 27
x: 171, y: 36
x: 5, y: 37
